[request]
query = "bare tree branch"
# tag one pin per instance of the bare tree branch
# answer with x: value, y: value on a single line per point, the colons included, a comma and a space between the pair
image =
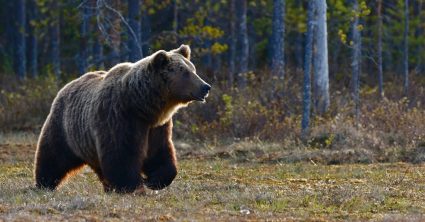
x: 134, y: 36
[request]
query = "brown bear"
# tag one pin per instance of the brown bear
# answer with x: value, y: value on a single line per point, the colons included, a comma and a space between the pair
x: 119, y: 123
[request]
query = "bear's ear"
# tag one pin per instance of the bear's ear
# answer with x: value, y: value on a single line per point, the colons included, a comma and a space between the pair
x: 183, y: 50
x: 160, y: 59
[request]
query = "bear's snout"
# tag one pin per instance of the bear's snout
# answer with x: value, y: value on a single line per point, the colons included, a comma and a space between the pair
x: 203, y: 92
x: 205, y: 89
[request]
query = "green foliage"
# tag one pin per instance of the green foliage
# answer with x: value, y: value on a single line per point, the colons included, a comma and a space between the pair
x: 226, y: 117
x: 218, y: 48
x: 199, y: 29
x: 361, y: 13
x: 152, y: 6
x: 342, y: 36
x: 296, y: 17
x: 7, y: 63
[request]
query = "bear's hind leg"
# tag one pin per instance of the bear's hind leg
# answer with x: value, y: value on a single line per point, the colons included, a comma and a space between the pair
x: 54, y: 160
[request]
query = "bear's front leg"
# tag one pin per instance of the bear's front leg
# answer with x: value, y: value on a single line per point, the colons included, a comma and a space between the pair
x: 160, y: 166
x: 121, y: 163
x: 121, y: 174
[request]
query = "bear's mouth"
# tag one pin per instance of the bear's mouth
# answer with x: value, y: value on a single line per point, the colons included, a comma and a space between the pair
x: 199, y: 98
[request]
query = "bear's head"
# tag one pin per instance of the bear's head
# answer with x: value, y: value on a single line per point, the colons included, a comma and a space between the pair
x: 183, y: 83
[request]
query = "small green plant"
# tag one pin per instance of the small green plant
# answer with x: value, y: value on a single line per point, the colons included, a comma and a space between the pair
x: 226, y: 118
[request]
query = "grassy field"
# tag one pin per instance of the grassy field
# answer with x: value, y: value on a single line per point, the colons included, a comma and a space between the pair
x: 216, y: 185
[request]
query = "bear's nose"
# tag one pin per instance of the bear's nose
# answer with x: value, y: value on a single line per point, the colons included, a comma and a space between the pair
x: 206, y: 88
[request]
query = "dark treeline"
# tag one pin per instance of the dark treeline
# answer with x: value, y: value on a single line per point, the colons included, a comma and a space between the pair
x: 343, y: 42
x: 39, y: 36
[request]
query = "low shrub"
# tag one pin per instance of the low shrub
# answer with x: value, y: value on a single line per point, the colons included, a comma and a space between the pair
x: 25, y: 104
x: 268, y: 109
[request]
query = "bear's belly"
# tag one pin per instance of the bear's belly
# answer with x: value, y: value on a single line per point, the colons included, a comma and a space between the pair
x: 83, y: 146
x: 79, y: 136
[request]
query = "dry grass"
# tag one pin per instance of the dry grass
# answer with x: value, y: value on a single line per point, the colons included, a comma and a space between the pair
x: 215, y: 184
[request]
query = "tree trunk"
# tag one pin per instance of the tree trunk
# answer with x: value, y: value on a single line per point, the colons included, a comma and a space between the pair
x: 356, y: 63
x: 277, y: 40
x: 321, y: 65
x: 83, y: 54
x: 20, y: 43
x: 134, y: 46
x: 299, y: 44
x: 243, y: 42
x: 334, y: 46
x: 380, y: 68
x: 98, y: 54
x: 252, y: 58
x: 55, y: 40
x: 406, y: 48
x: 307, y: 70
x: 232, y: 43
x: 145, y: 31
x: 115, y: 34
x: 299, y: 51
x: 33, y: 40
x: 175, y: 15
x: 418, y: 35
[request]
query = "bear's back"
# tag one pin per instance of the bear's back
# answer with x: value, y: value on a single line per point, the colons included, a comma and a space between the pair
x: 73, y: 105
x: 81, y: 98
x: 118, y: 70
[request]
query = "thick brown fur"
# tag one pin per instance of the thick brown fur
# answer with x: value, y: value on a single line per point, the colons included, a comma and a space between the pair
x: 119, y: 123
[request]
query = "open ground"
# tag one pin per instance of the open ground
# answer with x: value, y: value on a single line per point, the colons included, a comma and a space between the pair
x: 217, y: 185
